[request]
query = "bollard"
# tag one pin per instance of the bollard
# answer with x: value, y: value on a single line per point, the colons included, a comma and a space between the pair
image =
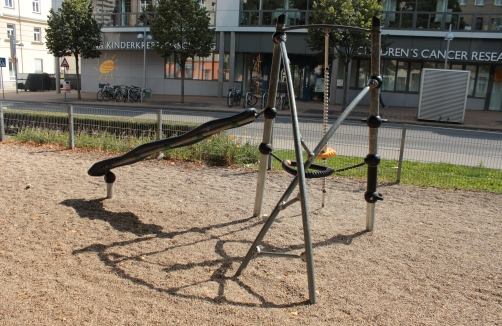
x: 109, y: 179
x: 70, y: 126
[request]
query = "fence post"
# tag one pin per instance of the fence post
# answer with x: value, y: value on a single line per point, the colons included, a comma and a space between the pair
x: 70, y: 126
x: 2, y: 123
x: 401, y: 154
x: 159, y: 131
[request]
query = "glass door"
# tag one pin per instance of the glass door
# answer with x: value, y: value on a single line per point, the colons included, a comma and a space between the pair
x: 496, y: 94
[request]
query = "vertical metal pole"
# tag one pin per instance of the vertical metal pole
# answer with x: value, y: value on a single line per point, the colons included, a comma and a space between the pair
x: 144, y: 57
x: 2, y: 123
x: 3, y: 88
x: 401, y: 154
x: 70, y: 126
x: 374, y: 122
x: 270, y: 114
x: 159, y: 131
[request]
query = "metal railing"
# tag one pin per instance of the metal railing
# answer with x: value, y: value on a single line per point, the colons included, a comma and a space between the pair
x: 397, y: 143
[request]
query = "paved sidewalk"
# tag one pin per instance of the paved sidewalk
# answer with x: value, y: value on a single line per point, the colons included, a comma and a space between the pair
x: 485, y: 120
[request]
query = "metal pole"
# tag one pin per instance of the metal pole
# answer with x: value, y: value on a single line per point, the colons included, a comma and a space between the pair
x: 268, y: 126
x: 401, y: 154
x: 3, y: 88
x: 374, y: 121
x: 159, y: 131
x: 144, y: 57
x: 70, y: 126
x: 2, y: 123
x: 301, y: 177
x: 447, y: 49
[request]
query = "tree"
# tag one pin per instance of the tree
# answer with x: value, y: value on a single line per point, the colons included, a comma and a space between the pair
x: 181, y: 28
x: 343, y: 44
x: 73, y: 31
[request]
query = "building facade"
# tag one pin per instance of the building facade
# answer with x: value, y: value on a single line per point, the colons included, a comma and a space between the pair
x: 414, y: 33
x: 26, y: 21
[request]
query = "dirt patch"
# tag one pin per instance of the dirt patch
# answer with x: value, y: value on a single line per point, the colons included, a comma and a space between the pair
x: 166, y: 248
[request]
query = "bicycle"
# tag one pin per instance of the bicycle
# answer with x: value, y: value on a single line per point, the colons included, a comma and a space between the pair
x: 282, y: 101
x: 250, y: 99
x: 105, y: 93
x: 234, y: 96
x: 264, y: 98
x: 132, y: 93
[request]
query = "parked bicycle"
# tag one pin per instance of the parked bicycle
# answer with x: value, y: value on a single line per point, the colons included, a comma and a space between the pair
x: 282, y: 101
x: 234, y: 96
x: 250, y: 99
x: 105, y: 93
x: 264, y: 98
x: 132, y: 93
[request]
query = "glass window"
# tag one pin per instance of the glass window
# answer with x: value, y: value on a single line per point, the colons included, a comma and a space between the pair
x: 364, y: 73
x: 36, y: 6
x: 36, y: 34
x: 402, y: 76
x: 472, y: 79
x: 226, y: 67
x: 12, y: 73
x: 482, y: 81
x: 11, y: 30
x: 388, y: 74
x: 38, y: 65
x: 9, y: 3
x: 479, y: 2
x: 415, y: 76
x: 239, y: 67
x: 497, y: 2
x: 216, y: 65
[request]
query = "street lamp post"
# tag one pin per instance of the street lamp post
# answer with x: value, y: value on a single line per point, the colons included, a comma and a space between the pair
x: 13, y: 56
x: 448, y: 37
x: 144, y: 37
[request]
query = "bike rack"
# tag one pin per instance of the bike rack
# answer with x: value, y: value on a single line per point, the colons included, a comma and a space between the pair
x: 372, y: 159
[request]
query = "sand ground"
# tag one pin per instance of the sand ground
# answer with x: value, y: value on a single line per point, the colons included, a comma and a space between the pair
x: 165, y: 249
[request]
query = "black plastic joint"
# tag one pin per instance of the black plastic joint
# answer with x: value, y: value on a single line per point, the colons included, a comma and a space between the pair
x: 374, y: 121
x: 372, y: 197
x: 110, y: 177
x: 265, y: 149
x: 372, y: 160
x: 279, y: 37
x: 270, y: 113
x: 375, y: 82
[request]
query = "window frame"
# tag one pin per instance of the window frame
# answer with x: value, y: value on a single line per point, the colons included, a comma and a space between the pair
x: 11, y: 30
x: 36, y: 3
x: 8, y: 4
x: 172, y: 70
x: 479, y: 2
x: 37, y: 33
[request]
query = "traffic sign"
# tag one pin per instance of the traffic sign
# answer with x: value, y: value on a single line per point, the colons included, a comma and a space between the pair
x: 2, y: 63
x: 65, y: 64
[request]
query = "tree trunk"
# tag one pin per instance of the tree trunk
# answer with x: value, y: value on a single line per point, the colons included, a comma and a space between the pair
x: 182, y: 82
x: 78, y: 83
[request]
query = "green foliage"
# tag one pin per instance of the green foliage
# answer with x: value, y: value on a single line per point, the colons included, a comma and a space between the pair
x: 73, y: 31
x: 354, y: 13
x: 181, y: 27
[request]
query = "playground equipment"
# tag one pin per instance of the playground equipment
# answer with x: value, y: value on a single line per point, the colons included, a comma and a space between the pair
x: 372, y: 159
x: 299, y: 169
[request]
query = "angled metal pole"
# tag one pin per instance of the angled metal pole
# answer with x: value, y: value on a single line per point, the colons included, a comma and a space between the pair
x: 270, y: 114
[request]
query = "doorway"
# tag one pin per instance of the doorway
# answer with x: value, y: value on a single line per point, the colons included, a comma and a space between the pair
x: 496, y: 93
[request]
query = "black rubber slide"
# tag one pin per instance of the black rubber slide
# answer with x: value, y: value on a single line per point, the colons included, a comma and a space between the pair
x: 191, y: 137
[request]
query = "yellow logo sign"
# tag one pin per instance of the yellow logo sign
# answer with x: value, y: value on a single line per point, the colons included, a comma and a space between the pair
x: 106, y: 68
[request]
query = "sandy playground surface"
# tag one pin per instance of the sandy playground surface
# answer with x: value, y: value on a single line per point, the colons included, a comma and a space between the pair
x: 164, y: 251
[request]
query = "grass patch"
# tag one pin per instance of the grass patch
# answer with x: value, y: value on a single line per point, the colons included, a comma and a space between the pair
x: 226, y: 150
